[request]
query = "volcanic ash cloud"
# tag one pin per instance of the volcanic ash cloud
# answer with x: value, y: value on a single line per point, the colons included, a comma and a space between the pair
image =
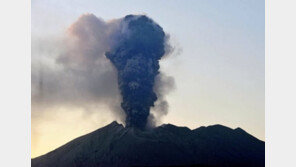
x: 95, y: 53
x: 141, y: 44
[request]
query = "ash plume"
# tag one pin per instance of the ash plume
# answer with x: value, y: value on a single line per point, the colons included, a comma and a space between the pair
x: 102, y: 63
x: 141, y: 44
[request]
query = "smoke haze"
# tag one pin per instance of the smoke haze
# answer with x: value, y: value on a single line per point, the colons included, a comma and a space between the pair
x: 73, y: 70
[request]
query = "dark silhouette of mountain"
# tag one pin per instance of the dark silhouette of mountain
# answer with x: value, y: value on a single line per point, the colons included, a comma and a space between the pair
x: 166, y: 145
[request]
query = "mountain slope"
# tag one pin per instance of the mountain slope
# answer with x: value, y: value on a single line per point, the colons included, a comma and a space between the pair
x: 114, y: 145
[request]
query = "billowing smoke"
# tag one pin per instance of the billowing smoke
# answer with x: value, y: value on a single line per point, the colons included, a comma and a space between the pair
x: 163, y: 86
x: 83, y: 68
x: 136, y: 57
x: 71, y: 71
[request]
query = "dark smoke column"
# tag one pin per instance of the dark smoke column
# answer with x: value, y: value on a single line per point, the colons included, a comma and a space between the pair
x: 136, y: 55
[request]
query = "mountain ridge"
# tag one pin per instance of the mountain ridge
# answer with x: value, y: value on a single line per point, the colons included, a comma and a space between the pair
x: 115, y: 145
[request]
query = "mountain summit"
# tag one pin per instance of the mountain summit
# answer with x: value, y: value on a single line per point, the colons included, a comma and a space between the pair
x: 166, y: 145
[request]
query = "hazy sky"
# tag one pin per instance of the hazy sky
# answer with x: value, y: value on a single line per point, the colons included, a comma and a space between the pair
x: 218, y: 65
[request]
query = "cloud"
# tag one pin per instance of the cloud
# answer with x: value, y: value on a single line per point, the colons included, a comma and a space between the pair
x: 71, y: 70
x: 163, y: 86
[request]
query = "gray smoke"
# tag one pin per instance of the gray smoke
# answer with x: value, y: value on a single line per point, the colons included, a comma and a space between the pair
x: 75, y: 70
x: 141, y: 44
x: 163, y: 86
x: 71, y: 70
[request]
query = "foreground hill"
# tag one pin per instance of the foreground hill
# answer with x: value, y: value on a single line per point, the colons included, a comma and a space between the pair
x: 167, y: 145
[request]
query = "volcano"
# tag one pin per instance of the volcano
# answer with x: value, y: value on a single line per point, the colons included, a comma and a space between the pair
x: 117, y: 146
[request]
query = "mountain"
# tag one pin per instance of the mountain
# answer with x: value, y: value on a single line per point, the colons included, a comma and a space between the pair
x: 166, y: 145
